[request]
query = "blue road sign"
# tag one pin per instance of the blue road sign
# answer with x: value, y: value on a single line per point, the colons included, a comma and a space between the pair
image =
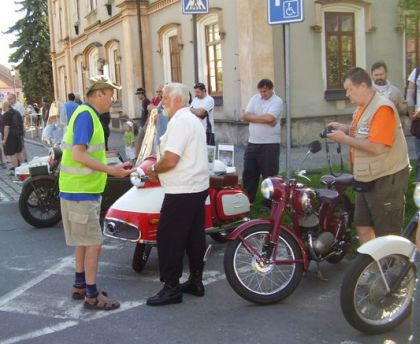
x: 284, y: 11
x: 195, y: 6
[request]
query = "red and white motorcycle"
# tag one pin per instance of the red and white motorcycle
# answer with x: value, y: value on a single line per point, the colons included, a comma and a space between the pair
x: 135, y: 215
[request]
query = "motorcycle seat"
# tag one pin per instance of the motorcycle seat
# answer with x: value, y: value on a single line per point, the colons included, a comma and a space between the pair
x: 223, y: 180
x: 327, y: 195
x: 343, y: 179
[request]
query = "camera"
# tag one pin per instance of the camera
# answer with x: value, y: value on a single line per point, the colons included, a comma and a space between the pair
x: 326, y: 131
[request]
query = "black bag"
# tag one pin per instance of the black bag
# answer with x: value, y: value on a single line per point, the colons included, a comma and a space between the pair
x: 415, y: 123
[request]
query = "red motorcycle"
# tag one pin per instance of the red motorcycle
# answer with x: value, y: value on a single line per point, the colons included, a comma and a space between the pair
x: 265, y: 258
x: 135, y: 215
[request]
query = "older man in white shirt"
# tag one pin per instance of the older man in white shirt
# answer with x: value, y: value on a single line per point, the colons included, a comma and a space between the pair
x: 183, y: 173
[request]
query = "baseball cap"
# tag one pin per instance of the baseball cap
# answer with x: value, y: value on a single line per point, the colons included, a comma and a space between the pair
x: 140, y: 90
x: 101, y: 82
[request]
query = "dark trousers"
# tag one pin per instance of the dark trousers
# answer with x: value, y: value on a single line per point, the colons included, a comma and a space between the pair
x: 259, y: 159
x: 180, y: 230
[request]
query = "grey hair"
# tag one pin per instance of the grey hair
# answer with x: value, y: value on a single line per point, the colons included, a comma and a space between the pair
x: 175, y: 89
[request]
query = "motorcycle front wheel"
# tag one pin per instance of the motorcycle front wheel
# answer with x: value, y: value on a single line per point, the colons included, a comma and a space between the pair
x: 364, y: 299
x: 255, y: 280
x: 39, y: 203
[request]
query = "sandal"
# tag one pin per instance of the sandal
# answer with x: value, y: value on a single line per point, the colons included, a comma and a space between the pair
x: 80, y: 293
x: 101, y: 302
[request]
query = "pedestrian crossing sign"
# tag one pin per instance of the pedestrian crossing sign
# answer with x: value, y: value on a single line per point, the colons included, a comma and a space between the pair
x: 195, y: 6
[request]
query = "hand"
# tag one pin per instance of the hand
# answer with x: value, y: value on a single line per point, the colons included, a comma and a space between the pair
x: 153, y: 176
x: 338, y: 136
x: 120, y: 171
x: 339, y: 126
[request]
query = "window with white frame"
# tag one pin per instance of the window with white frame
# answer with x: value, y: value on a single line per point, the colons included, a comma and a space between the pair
x: 80, y: 75
x: 343, y: 43
x: 62, y: 87
x: 93, y: 62
x: 210, y: 54
x: 171, y: 56
x: 92, y: 5
x: 114, y: 65
x: 76, y: 10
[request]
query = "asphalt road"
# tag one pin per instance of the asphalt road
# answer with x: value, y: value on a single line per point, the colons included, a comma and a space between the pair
x: 36, y: 274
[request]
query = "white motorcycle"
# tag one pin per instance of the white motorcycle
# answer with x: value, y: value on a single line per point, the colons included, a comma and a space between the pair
x: 378, y: 288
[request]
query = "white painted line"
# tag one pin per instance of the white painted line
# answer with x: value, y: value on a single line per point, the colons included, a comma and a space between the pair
x: 80, y: 313
x: 33, y: 282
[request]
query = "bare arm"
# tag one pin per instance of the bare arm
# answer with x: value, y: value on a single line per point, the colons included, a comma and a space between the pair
x: 199, y: 112
x: 6, y: 132
x: 262, y: 119
x: 168, y: 161
x: 81, y: 155
x: 361, y: 144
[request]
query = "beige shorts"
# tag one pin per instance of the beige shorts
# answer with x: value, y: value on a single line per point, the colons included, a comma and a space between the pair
x: 81, y: 222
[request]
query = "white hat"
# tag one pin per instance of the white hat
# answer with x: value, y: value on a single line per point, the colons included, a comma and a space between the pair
x: 129, y: 123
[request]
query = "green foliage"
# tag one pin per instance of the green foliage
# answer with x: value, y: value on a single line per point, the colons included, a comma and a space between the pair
x: 33, y: 49
x: 410, y: 15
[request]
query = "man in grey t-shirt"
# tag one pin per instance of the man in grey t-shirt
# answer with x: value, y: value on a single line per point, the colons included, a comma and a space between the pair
x: 262, y: 154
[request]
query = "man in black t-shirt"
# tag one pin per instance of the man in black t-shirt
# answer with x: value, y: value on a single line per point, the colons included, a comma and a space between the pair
x: 13, y: 135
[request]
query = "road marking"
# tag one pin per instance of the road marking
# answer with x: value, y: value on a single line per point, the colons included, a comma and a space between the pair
x: 75, y: 312
x: 33, y: 282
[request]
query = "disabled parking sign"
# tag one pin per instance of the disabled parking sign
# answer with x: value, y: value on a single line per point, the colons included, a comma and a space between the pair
x: 285, y: 11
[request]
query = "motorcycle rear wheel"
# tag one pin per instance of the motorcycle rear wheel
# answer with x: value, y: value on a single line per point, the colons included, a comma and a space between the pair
x: 363, y: 294
x: 258, y: 282
x: 39, y: 203
x: 140, y: 257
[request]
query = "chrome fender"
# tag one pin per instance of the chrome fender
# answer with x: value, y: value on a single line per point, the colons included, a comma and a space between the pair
x: 387, y: 245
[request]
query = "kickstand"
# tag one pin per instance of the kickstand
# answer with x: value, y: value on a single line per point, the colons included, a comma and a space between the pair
x: 319, y: 273
x: 207, y: 253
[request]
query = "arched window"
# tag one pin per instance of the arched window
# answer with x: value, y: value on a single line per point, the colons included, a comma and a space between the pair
x: 170, y: 48
x: 114, y: 64
x: 80, y: 80
x: 210, y: 51
x: 93, y: 57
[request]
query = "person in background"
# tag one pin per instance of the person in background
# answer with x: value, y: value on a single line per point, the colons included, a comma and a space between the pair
x: 11, y: 98
x: 144, y: 103
x: 68, y: 107
x: 129, y: 140
x: 262, y: 154
x: 203, y: 106
x: 13, y: 135
x: 78, y: 99
x: 154, y: 103
x: 82, y: 180
x: 413, y: 102
x: 105, y: 119
x: 381, y: 84
x: 183, y: 172
x: 2, y: 156
x: 45, y: 111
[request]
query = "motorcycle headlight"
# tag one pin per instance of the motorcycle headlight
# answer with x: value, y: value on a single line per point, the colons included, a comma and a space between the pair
x: 137, y: 178
x: 267, y: 188
x: 417, y: 195
x: 306, y: 201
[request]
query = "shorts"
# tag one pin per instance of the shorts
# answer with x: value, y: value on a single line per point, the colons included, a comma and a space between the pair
x: 382, y: 207
x: 13, y: 145
x: 81, y: 222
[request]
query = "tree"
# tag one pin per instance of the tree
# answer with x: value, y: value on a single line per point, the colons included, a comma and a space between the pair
x: 410, y: 15
x: 33, y: 50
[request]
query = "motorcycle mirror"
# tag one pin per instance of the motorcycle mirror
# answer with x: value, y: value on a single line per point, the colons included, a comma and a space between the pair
x: 314, y: 146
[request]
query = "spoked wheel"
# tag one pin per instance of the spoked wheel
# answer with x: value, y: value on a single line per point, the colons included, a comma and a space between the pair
x: 39, y: 203
x: 140, y: 257
x: 365, y: 302
x: 253, y: 278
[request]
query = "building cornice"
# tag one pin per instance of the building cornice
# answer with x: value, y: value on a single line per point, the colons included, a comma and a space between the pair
x: 160, y: 5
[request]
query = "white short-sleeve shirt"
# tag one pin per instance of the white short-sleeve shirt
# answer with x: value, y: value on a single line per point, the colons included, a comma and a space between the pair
x: 264, y: 133
x: 185, y: 137
x: 417, y: 82
x: 206, y: 103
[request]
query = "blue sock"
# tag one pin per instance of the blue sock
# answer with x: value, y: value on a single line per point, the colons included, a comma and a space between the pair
x: 80, y: 281
x: 91, y: 290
